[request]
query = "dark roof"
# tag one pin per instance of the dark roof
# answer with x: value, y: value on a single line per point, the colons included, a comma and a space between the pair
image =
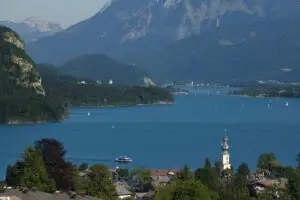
x: 30, y: 195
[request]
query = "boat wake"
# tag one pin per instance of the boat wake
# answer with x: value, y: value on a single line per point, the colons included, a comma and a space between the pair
x: 89, y: 159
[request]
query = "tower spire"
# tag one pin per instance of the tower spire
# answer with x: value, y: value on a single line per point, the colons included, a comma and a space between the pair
x: 225, y: 156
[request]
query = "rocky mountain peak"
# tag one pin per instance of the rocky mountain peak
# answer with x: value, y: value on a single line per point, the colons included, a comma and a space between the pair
x: 126, y: 28
x: 42, y: 25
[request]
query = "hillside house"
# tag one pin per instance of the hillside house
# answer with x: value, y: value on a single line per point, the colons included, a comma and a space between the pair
x: 162, y: 177
x: 260, y: 183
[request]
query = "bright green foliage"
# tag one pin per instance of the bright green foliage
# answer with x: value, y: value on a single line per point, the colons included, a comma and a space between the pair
x: 79, y: 182
x: 34, y: 173
x: 99, y: 183
x: 164, y: 193
x: 184, y: 190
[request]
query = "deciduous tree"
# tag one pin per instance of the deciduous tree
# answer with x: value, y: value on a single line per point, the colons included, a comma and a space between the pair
x: 100, y: 183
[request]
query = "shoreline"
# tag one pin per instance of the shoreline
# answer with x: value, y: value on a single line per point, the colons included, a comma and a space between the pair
x: 20, y: 122
x: 261, y: 96
x: 132, y: 105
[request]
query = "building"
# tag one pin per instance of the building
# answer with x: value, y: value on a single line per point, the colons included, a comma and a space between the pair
x: 122, y: 191
x: 259, y: 182
x: 82, y: 82
x: 162, y: 177
x: 225, y: 157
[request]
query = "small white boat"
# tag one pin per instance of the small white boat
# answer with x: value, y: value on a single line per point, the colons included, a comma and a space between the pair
x: 123, y: 159
x: 286, y: 103
x: 89, y: 113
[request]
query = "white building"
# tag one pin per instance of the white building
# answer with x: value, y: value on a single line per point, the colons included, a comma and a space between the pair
x: 225, y: 157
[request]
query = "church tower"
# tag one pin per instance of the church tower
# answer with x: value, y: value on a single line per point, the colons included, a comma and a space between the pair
x: 225, y: 157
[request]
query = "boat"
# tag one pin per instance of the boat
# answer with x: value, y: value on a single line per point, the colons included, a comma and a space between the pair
x: 286, y: 103
x: 123, y: 159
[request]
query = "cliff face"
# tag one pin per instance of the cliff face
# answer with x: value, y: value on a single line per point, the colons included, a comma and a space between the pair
x: 15, y: 65
x: 22, y: 96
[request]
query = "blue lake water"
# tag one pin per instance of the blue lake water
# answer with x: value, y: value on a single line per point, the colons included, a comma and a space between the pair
x: 168, y: 136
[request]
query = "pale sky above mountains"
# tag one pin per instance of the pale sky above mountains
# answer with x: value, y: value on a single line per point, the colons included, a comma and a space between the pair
x: 64, y: 12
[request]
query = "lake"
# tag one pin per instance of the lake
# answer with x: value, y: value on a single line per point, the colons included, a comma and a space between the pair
x: 168, y: 136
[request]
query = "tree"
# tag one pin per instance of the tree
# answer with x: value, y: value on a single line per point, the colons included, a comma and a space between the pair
x: 218, y: 166
x: 164, y: 193
x: 208, y: 177
x: 185, y: 174
x: 53, y: 155
x: 83, y: 166
x: 190, y: 190
x: 12, y: 174
x: 207, y: 164
x: 79, y: 183
x: 100, y: 184
x: 243, y: 170
x: 265, y: 161
x: 123, y: 173
x: 33, y: 173
x: 144, y: 179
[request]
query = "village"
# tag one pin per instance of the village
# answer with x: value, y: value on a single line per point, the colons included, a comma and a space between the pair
x: 128, y: 186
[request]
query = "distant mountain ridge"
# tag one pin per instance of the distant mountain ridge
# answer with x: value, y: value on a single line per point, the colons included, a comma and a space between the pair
x: 126, y: 30
x: 33, y: 28
x: 99, y: 67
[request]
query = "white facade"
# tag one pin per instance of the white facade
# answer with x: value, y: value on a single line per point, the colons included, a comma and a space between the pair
x: 225, y: 162
x: 124, y: 196
x: 225, y: 157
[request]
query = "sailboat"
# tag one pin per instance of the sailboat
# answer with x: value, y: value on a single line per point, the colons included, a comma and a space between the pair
x: 89, y: 113
x: 286, y: 103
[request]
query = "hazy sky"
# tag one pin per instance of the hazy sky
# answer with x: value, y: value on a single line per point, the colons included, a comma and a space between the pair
x: 64, y: 12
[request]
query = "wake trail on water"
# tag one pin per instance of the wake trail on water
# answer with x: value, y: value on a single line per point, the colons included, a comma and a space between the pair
x: 90, y: 159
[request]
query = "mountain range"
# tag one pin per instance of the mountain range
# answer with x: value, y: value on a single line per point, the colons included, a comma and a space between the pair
x: 33, y: 28
x: 155, y: 34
